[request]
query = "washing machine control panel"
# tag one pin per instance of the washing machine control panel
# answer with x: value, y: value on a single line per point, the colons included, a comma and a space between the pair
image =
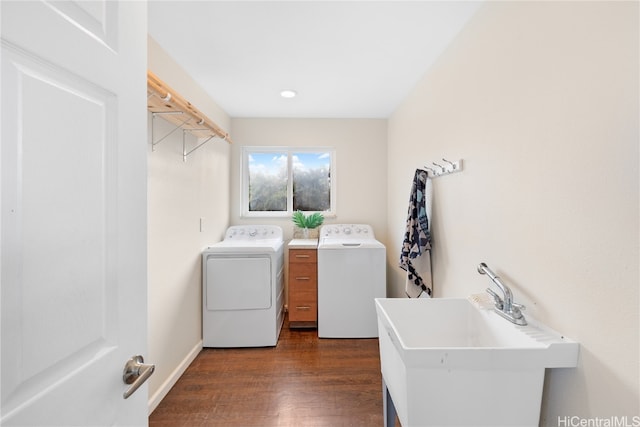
x: 253, y: 232
x: 346, y: 231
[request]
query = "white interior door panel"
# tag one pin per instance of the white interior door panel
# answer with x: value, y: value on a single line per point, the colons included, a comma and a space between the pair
x: 73, y: 211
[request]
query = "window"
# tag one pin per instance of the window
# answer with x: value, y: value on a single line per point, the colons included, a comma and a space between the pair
x: 276, y: 181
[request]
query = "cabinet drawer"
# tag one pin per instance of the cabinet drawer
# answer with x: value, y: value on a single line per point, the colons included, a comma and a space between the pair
x: 303, y: 312
x: 306, y: 291
x: 303, y: 256
x: 307, y: 294
x: 303, y: 275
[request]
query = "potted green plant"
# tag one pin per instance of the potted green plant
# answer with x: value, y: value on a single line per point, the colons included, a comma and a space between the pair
x: 307, y: 222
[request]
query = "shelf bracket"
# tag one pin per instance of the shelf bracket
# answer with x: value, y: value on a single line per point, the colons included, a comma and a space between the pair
x: 161, y: 113
x: 185, y: 153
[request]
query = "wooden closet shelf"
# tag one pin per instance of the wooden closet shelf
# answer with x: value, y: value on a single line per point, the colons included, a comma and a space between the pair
x: 161, y: 98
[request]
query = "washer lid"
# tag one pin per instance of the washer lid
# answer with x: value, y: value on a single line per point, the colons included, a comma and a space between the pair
x: 329, y: 243
x: 347, y: 236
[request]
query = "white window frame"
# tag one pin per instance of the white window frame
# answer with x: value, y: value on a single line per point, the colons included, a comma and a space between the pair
x: 244, y: 180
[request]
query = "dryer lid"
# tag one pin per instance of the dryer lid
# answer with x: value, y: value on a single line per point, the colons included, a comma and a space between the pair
x: 272, y: 245
x: 250, y: 238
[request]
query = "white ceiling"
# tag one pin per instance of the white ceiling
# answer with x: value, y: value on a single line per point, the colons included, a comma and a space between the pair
x: 346, y: 59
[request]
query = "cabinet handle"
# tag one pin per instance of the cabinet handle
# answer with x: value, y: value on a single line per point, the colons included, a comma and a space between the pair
x: 303, y: 307
x: 302, y: 256
x: 303, y: 278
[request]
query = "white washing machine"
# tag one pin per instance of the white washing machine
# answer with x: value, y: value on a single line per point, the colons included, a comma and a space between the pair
x: 243, y: 288
x: 351, y: 274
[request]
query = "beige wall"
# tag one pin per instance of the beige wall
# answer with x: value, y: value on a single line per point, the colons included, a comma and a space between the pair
x: 361, y: 164
x: 540, y: 99
x: 180, y: 193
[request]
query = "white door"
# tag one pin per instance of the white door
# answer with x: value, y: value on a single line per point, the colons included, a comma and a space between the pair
x: 73, y: 211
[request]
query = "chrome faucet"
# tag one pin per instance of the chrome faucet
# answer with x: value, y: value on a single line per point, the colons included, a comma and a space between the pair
x: 505, y: 306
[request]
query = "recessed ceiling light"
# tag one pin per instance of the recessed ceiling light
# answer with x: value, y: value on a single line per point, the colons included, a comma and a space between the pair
x: 288, y: 93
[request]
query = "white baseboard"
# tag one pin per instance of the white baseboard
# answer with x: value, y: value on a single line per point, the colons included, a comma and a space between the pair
x: 155, y: 400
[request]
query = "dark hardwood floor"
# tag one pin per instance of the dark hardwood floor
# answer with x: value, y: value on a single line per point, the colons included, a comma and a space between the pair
x: 303, y: 381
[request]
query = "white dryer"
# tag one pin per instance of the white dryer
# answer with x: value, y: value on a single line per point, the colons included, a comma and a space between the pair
x: 351, y: 274
x: 243, y: 288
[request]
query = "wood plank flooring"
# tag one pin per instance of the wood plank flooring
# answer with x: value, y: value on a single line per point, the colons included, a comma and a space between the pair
x: 303, y: 381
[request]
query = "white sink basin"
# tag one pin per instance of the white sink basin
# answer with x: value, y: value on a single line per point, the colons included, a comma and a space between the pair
x: 451, y: 361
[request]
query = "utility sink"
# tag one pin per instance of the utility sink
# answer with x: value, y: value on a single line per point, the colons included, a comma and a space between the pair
x: 455, y: 362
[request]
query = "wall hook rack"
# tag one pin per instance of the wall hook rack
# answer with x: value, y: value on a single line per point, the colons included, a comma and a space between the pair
x: 448, y: 168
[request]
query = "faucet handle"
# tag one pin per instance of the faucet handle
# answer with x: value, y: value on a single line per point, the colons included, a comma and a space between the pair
x: 518, y: 306
x: 516, y: 312
x: 496, y: 299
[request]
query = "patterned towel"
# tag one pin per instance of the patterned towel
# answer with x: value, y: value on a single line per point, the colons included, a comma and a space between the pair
x: 415, y: 256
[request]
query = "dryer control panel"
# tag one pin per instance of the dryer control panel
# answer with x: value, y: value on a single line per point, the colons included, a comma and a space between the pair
x: 347, y: 231
x: 253, y: 232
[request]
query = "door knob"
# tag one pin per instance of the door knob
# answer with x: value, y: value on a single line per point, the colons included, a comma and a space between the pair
x: 136, y: 373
